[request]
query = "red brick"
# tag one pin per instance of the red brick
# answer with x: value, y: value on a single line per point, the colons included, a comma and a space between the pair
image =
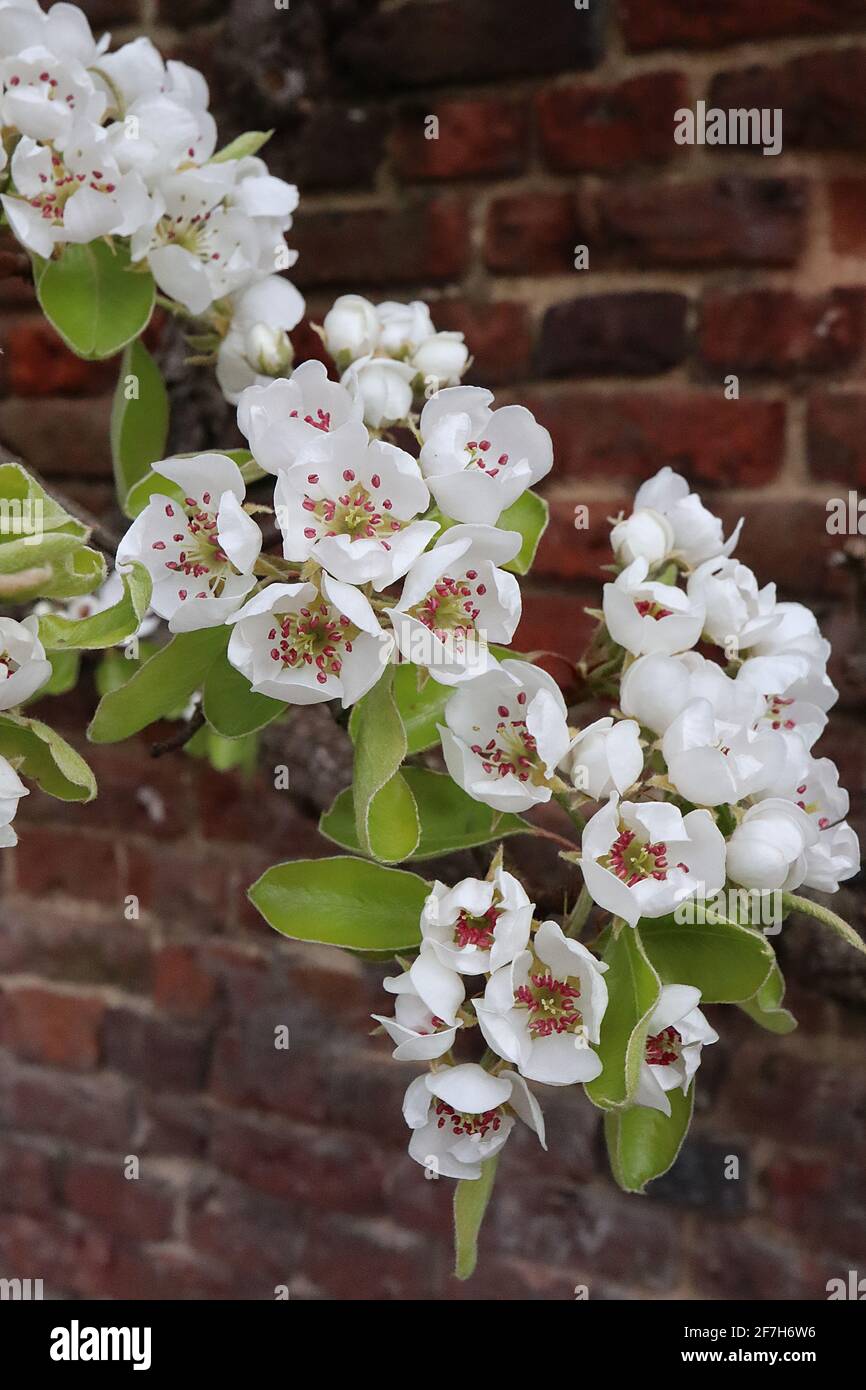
x: 324, y: 1169
x: 168, y: 1271
x: 836, y: 437
x: 417, y: 44
x: 181, y: 985
x: 36, y: 363
x: 51, y: 860
x: 475, y: 137
x: 65, y: 944
x: 732, y: 1262
x: 142, y: 1207
x: 93, y: 1111
x: 155, y: 1051
x: 43, y: 1025
x: 231, y: 808
x: 599, y: 129
x: 532, y: 233
x: 731, y: 221
x: 248, y: 1231
x: 378, y: 1259
x: 28, y: 1176
x: 822, y: 97
x: 189, y: 884
x: 336, y: 147
x: 633, y: 434
x: 76, y: 1260
x: 424, y: 241
x: 152, y: 797
x: 848, y: 215
x: 813, y: 1195
x: 777, y: 331
x: 765, y: 543
x: 554, y: 622
x: 497, y: 335
x: 669, y: 23
x: 637, y: 333
x: 62, y: 438
x: 568, y: 553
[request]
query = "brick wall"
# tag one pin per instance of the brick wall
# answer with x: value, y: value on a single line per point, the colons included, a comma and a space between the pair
x: 153, y: 1037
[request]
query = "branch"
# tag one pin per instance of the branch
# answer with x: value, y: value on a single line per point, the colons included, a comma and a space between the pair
x: 187, y: 730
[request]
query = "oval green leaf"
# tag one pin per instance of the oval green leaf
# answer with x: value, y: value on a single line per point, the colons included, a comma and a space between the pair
x: 343, y: 902
x: 95, y: 299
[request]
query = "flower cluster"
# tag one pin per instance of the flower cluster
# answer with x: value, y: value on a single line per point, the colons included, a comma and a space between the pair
x: 701, y: 777
x: 121, y: 144
x: 371, y: 570
x: 390, y: 353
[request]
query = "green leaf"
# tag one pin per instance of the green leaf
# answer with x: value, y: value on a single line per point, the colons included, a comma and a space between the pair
x: 141, y: 492
x: 471, y: 1197
x: 726, y: 962
x: 35, y: 505
x: 242, y: 146
x: 95, y: 299
x: 64, y: 674
x: 450, y: 820
x: 386, y: 819
x: 791, y: 902
x: 139, y: 426
x: 766, y: 1006
x: 643, y: 1143
x: 79, y: 572
x: 343, y: 902
x: 46, y: 758
x: 420, y: 710
x: 231, y: 707
x: 105, y: 629
x: 528, y: 515
x: 159, y: 686
x: 633, y: 990
x: 224, y: 754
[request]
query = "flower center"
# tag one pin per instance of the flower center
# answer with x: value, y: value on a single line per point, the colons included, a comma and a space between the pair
x: 633, y: 861
x: 775, y: 713
x: 552, y: 1003
x: 513, y: 748
x: 8, y: 665
x: 194, y: 232
x: 318, y: 636
x: 476, y: 931
x: 51, y: 203
x: 489, y: 1121
x: 811, y: 807
x: 449, y: 607
x: 649, y: 608
x: 481, y: 457
x: 199, y: 555
x: 664, y: 1048
x: 358, y: 512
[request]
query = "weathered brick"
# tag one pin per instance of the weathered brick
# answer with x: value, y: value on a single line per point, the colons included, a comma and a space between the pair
x: 847, y: 198
x: 37, y: 363
x: 153, y: 1050
x: 86, y: 1110
x: 308, y: 1167
x: 52, y: 860
x: 532, y: 233
x: 777, y: 331
x: 65, y: 944
x: 599, y: 129
x: 424, y: 241
x: 141, y: 1208
x: 52, y: 1027
x: 554, y: 622
x: 248, y: 1231
x: 668, y: 23
x: 733, y: 221
x: 336, y: 147
x: 76, y: 1260
x: 568, y: 551
x: 628, y: 435
x: 637, y: 333
x: 836, y: 437
x: 191, y: 884
x: 498, y: 337
x: 61, y: 438
x: 474, y: 137
x: 29, y: 1176
x: 378, y: 1259
x: 822, y: 97
x: 457, y: 40
x: 733, y: 1262
x: 181, y: 985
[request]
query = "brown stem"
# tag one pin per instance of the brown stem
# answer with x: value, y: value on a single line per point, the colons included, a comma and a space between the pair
x: 188, y: 729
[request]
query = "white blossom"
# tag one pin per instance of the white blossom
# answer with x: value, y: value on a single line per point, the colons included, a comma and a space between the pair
x: 479, y: 924
x: 23, y: 664
x: 282, y: 419
x: 606, y: 756
x: 473, y: 1113
x: 698, y: 534
x: 644, y: 616
x: 768, y: 847
x: 677, y: 1032
x: 11, y: 791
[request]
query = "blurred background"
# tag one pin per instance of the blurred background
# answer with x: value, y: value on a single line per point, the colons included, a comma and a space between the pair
x: 154, y: 1037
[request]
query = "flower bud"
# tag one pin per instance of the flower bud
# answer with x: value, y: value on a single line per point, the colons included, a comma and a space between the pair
x: 268, y: 349
x: 403, y: 327
x: 646, y: 534
x: 385, y: 387
x: 351, y: 327
x: 444, y: 356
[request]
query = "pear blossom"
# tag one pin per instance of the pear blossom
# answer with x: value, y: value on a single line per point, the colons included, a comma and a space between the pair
x: 795, y: 632
x: 833, y: 858
x: 504, y: 736
x: 656, y: 688
x: 417, y: 1029
x: 352, y: 505
x: 644, y: 616
x: 478, y: 925
x: 768, y: 847
x: 280, y: 420
x: 304, y: 644
x: 736, y: 609
x: 641, y: 859
x: 606, y: 756
x: 456, y: 599
x: 256, y: 347
x: 813, y: 785
x: 645, y: 535
x: 543, y: 1011
x: 351, y: 328
x: 23, y: 664
x: 713, y: 761
x: 162, y: 133
x: 478, y: 461
x: 402, y: 328
x: 676, y: 1033
x: 441, y: 359
x: 384, y: 387
x: 11, y: 791
x: 698, y: 534
x: 460, y: 1116
x: 63, y: 30
x: 793, y: 675
x: 74, y: 197
x: 45, y: 97
x: 200, y: 552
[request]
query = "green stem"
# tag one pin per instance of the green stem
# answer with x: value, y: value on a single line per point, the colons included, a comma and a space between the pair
x: 577, y: 820
x: 793, y: 903
x: 579, y: 914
